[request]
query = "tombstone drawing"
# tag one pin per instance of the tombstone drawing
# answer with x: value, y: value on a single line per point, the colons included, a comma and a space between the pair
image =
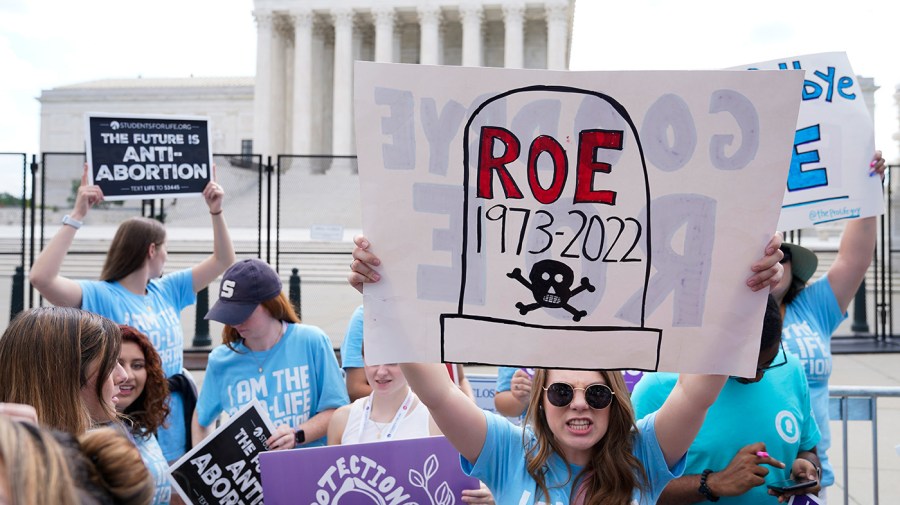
x: 555, y: 184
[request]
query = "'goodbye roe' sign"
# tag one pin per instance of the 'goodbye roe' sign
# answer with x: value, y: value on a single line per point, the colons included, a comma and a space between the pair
x: 563, y: 219
x: 144, y: 156
x: 833, y: 145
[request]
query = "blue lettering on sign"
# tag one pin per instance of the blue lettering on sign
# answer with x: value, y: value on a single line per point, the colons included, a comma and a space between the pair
x: 799, y: 179
x: 812, y: 90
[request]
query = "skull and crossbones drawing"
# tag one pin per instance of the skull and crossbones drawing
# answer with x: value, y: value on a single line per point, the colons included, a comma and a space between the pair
x: 551, y: 287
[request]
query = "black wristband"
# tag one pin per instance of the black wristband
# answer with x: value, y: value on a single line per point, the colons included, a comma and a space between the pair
x: 704, y: 489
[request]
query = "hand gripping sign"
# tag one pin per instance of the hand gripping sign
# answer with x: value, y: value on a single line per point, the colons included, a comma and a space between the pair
x: 562, y: 208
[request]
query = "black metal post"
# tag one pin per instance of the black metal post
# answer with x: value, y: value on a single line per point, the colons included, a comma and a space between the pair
x: 34, y: 170
x: 269, y: 170
x: 294, y: 291
x: 860, y: 313
x: 17, y: 303
x: 201, y: 325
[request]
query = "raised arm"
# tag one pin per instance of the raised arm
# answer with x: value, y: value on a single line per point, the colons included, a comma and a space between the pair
x: 856, y: 250
x: 44, y: 274
x: 457, y: 416
x: 223, y: 250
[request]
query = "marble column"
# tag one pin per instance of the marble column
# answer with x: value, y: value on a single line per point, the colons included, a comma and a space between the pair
x: 514, y: 29
x: 342, y: 105
x: 430, y: 35
x: 384, y: 33
x: 471, y: 15
x: 557, y: 13
x: 262, y: 87
x: 278, y: 87
x: 302, y: 113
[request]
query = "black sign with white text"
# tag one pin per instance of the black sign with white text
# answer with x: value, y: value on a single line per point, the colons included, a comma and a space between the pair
x: 145, y: 157
x: 224, y: 467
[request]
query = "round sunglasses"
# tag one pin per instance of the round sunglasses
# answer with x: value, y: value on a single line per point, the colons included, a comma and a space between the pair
x: 597, y: 396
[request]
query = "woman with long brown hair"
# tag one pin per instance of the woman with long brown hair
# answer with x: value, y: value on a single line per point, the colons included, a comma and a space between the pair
x: 144, y: 403
x: 63, y: 362
x: 132, y: 288
x: 582, y: 443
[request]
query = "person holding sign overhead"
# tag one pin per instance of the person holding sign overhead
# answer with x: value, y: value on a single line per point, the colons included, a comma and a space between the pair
x: 580, y: 443
x: 813, y: 312
x: 268, y: 355
x: 132, y: 288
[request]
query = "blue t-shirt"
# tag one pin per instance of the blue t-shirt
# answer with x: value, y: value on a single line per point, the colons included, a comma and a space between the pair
x: 156, y: 463
x: 775, y: 411
x: 157, y: 315
x: 501, y: 465
x: 300, y: 378
x: 809, y: 321
x: 351, y: 347
x: 504, y: 377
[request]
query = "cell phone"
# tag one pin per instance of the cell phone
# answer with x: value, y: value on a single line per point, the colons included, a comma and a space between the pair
x: 784, y: 486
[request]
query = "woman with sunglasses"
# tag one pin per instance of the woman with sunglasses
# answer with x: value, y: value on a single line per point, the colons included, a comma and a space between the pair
x: 813, y: 312
x: 582, y: 444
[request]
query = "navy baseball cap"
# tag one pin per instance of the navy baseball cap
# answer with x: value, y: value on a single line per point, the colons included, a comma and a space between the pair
x: 244, y: 286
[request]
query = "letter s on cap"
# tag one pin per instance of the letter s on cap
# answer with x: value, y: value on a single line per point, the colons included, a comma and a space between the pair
x: 227, y: 289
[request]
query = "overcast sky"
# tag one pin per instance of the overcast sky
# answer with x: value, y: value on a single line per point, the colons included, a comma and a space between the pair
x: 49, y: 43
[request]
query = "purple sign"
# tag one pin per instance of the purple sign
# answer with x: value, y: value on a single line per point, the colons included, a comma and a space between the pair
x: 631, y: 378
x: 398, y: 472
x: 804, y: 499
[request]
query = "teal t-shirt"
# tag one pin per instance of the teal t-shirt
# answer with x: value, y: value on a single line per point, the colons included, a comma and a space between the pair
x: 775, y: 410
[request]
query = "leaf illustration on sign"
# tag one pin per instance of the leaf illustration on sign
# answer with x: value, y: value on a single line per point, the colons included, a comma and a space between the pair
x: 442, y: 495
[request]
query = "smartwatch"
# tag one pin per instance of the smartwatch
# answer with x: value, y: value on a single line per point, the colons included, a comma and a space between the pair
x: 74, y: 223
x: 299, y: 436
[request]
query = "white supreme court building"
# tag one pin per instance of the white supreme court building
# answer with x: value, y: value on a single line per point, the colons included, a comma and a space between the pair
x: 300, y: 101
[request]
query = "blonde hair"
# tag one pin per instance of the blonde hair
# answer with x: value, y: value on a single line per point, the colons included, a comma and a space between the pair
x: 35, y: 466
x: 613, y: 472
x: 46, y: 354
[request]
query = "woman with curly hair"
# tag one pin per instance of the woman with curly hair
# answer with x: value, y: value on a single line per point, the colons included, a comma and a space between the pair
x: 143, y: 400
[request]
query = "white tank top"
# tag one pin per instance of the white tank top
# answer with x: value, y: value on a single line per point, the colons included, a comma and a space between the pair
x: 413, y: 425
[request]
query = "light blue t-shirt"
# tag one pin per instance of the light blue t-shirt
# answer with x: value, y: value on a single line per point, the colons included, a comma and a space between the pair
x: 300, y: 378
x: 157, y: 315
x: 156, y: 463
x: 351, y: 347
x: 501, y: 465
x: 504, y: 377
x: 775, y: 411
x: 809, y: 321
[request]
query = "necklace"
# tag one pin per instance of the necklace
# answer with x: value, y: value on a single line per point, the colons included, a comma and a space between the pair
x: 261, y: 364
x: 393, y: 425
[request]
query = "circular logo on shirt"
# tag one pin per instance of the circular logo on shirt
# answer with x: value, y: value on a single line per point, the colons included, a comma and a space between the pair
x: 787, y: 426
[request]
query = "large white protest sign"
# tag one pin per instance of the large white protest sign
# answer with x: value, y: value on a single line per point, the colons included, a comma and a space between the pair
x: 563, y: 219
x: 137, y: 156
x: 833, y: 145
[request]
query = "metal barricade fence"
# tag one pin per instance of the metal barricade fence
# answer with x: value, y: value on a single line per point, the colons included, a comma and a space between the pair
x: 859, y: 403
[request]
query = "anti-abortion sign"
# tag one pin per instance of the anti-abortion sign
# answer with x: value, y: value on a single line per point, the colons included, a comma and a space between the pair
x: 144, y: 156
x: 224, y: 468
x: 423, y: 471
x: 833, y: 145
x: 570, y: 219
